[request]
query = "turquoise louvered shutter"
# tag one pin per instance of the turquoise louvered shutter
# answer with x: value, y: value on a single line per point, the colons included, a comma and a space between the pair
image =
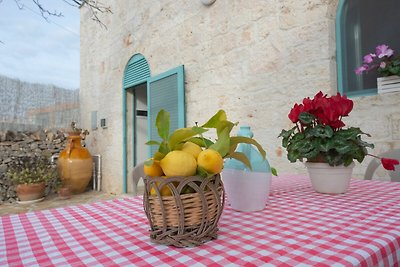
x: 166, y: 91
x: 137, y: 70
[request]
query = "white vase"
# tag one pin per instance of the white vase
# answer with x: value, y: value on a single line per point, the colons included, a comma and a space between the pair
x: 246, y: 190
x: 328, y: 179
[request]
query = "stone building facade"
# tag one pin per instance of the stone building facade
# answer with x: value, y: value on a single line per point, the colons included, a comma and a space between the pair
x: 254, y: 59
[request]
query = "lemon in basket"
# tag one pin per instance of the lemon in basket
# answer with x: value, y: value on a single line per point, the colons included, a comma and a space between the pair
x: 154, y: 169
x: 164, y: 191
x: 211, y: 161
x: 192, y: 148
x: 178, y: 163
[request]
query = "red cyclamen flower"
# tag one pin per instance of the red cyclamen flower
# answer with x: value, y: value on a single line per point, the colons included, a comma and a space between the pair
x: 295, y: 112
x: 388, y: 164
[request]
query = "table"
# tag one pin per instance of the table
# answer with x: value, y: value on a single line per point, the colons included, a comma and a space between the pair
x: 298, y: 227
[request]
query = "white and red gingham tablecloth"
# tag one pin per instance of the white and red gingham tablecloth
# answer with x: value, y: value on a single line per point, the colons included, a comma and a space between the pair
x: 298, y: 227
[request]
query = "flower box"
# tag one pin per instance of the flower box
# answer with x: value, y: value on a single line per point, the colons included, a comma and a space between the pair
x: 388, y: 84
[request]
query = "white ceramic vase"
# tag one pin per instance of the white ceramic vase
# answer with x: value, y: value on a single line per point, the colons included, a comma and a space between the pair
x: 328, y: 179
x: 246, y: 190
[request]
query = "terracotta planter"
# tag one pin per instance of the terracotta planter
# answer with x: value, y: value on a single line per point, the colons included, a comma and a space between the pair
x: 75, y: 165
x: 64, y: 193
x: 330, y: 180
x: 28, y: 192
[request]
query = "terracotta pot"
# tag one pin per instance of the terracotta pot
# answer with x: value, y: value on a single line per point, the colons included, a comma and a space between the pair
x: 330, y: 180
x: 75, y: 165
x: 27, y: 192
x: 64, y: 193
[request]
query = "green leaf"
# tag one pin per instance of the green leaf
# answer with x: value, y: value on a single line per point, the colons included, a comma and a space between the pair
x: 162, y: 124
x: 349, y: 134
x: 287, y: 134
x: 222, y: 145
x: 201, y: 141
x: 152, y: 142
x: 235, y: 140
x: 293, y: 155
x: 159, y: 156
x: 202, y: 172
x: 182, y: 134
x: 320, y: 131
x: 274, y: 171
x: 215, y: 120
x: 306, y: 117
x: 224, y: 126
x: 241, y: 157
x: 164, y: 148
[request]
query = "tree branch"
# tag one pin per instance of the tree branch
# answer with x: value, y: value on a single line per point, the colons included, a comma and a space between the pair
x: 95, y: 7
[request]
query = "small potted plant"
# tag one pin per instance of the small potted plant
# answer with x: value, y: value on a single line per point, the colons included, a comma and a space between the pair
x: 387, y: 66
x: 30, y: 175
x: 319, y: 136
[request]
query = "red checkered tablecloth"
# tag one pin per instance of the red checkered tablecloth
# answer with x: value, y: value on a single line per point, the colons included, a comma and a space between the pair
x: 298, y: 227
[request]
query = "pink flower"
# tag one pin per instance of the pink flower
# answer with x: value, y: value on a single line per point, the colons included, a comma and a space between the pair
x: 361, y: 69
x: 382, y: 65
x: 388, y: 164
x: 383, y: 50
x: 369, y: 58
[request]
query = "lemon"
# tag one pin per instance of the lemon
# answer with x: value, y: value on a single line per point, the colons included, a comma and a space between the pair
x: 178, y: 163
x: 192, y: 148
x: 164, y: 191
x: 211, y: 161
x: 153, y: 169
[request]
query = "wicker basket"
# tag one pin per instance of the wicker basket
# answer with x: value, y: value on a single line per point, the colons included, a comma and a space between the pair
x: 184, y: 219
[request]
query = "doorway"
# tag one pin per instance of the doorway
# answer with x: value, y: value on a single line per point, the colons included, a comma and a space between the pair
x: 137, y: 127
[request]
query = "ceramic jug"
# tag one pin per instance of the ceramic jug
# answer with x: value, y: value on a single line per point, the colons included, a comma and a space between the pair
x: 247, y: 189
x: 75, y: 165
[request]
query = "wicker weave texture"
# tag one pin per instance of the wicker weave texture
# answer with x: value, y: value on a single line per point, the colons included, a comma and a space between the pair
x: 184, y: 219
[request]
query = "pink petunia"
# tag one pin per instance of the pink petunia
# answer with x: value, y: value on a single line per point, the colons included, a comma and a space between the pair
x: 383, y: 50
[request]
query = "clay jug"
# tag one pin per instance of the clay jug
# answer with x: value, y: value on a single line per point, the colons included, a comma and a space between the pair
x: 75, y: 165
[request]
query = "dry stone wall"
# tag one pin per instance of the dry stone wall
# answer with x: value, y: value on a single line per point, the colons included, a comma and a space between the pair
x: 14, y: 145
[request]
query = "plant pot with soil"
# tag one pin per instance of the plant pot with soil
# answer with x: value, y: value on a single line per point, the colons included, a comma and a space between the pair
x: 30, y: 175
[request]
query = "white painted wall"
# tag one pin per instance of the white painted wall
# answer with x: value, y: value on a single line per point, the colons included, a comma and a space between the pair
x: 253, y: 59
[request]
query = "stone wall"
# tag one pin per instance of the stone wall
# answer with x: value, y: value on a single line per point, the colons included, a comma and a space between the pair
x: 18, y: 144
x: 253, y: 59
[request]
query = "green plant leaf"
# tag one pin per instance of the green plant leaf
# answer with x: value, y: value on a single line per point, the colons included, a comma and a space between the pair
x: 202, y: 172
x: 201, y: 141
x: 162, y: 124
x: 158, y: 156
x: 223, y: 143
x: 164, y: 148
x: 235, y: 140
x: 306, y: 117
x: 152, y: 142
x: 320, y: 131
x: 241, y: 157
x: 274, y: 172
x: 224, y: 126
x: 182, y: 134
x: 215, y: 120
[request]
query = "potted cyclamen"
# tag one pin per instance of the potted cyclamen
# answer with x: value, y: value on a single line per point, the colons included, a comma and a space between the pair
x: 386, y: 64
x: 319, y: 137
